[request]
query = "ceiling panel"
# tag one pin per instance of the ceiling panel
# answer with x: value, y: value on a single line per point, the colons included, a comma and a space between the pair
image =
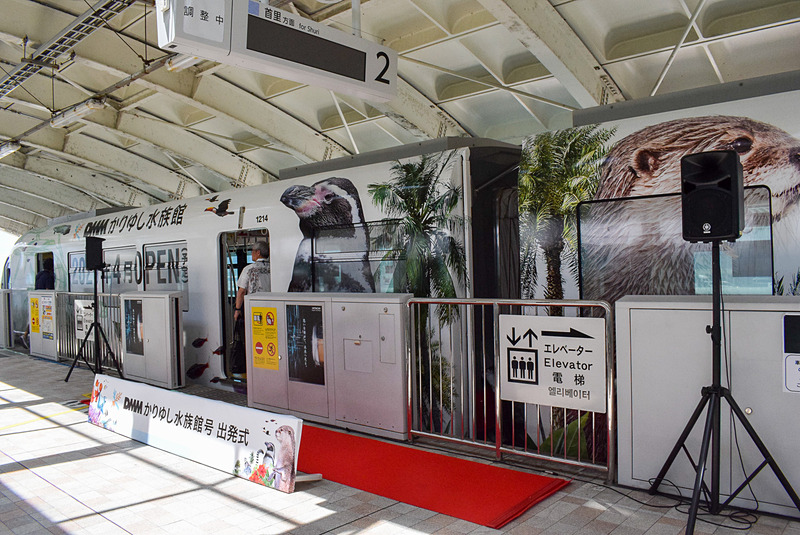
x: 461, y: 70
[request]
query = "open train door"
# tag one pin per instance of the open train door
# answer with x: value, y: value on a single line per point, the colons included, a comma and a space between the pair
x: 235, y: 253
x: 495, y: 259
x: 493, y: 175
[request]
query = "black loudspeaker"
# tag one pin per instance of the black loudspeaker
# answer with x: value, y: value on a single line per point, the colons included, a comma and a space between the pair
x: 94, y: 253
x: 712, y: 197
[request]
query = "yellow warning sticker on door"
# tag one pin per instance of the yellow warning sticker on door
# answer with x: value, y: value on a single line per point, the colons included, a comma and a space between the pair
x: 265, y: 337
x: 34, y: 314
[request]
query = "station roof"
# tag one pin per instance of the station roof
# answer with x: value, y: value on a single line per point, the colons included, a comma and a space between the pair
x: 500, y: 69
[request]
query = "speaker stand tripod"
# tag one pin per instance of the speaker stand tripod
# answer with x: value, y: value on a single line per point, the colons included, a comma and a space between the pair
x: 712, y: 396
x: 98, y: 333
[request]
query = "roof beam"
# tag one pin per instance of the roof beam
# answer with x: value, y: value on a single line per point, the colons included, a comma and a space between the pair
x: 163, y: 182
x: 119, y: 160
x: 94, y: 184
x: 189, y: 146
x: 276, y: 126
x: 13, y: 226
x: 219, y: 98
x: 24, y: 219
x: 414, y: 112
x: 48, y: 190
x: 33, y: 204
x: 541, y: 29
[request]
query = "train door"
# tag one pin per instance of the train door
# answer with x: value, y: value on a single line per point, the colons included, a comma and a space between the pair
x: 41, y: 258
x: 235, y: 253
x: 495, y: 223
x: 496, y: 270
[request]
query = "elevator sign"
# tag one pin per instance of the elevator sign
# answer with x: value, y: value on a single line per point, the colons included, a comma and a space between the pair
x: 556, y: 361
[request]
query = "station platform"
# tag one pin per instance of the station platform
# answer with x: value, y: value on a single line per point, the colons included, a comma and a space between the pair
x: 61, y: 474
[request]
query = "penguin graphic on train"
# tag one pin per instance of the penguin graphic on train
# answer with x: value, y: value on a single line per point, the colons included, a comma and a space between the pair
x: 332, y: 204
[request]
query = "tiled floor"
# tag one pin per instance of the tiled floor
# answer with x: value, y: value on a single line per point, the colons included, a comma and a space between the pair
x: 60, y: 474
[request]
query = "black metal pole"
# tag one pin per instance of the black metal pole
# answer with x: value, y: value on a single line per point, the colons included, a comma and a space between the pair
x: 716, y: 342
x: 97, y: 359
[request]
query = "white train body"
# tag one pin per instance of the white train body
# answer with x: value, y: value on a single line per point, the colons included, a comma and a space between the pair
x: 179, y: 245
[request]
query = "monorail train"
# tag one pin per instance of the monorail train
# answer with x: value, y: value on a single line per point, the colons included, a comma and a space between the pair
x: 199, y: 246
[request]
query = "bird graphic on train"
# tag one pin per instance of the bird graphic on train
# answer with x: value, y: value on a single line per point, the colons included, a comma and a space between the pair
x: 221, y: 210
x: 213, y: 199
x: 331, y: 208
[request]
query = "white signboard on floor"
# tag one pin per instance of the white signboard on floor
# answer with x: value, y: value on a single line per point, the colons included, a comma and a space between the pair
x: 249, y: 443
x: 551, y: 360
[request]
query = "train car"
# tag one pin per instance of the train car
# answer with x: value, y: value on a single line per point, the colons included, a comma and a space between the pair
x: 199, y: 246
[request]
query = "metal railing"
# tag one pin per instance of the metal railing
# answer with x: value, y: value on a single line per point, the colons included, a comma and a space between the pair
x: 67, y: 340
x: 109, y: 317
x: 453, y: 368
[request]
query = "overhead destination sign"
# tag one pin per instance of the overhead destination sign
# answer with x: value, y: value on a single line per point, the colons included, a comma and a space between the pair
x: 556, y: 361
x: 255, y: 36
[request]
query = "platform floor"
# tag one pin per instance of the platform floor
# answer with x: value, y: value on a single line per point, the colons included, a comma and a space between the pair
x: 60, y: 474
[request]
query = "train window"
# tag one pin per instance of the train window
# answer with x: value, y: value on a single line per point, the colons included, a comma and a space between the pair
x: 166, y: 268
x: 81, y: 280
x: 123, y: 271
x: 339, y: 250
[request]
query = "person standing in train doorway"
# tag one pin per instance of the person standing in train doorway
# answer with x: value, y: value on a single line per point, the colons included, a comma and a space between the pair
x: 46, y: 278
x: 254, y: 278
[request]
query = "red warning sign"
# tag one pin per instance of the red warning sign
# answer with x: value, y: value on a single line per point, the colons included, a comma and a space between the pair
x: 259, y: 348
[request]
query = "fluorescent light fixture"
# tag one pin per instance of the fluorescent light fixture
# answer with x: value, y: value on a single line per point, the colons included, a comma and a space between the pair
x: 8, y: 147
x: 182, y: 61
x: 70, y: 115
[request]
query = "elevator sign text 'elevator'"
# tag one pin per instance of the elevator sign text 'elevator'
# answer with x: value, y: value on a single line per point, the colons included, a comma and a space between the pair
x: 557, y: 361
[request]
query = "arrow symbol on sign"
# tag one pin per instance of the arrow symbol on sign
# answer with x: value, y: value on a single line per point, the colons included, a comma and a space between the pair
x: 514, y: 339
x: 530, y: 335
x: 572, y: 333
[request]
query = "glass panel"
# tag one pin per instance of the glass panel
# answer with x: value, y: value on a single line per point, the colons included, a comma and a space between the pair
x: 81, y: 280
x: 635, y: 246
x: 342, y: 263
x: 166, y: 268
x: 123, y: 271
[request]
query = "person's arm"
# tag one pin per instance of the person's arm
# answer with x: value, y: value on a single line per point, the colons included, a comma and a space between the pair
x: 239, y: 303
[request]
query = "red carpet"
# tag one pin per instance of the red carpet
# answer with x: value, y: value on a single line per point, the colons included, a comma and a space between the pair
x: 483, y: 494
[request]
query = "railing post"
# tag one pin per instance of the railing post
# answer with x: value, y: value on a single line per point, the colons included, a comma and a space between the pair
x: 497, y: 407
x: 410, y: 355
x: 611, y: 414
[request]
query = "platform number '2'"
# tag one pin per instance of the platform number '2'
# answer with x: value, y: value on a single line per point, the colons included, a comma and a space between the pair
x: 380, y: 77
